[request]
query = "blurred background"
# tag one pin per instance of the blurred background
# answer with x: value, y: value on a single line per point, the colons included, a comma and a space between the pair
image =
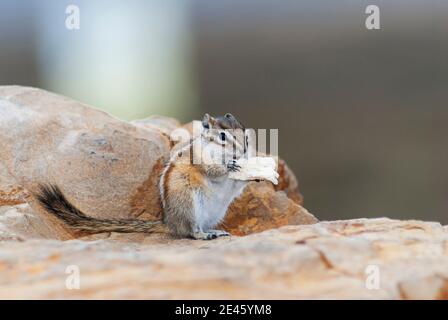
x: 361, y: 113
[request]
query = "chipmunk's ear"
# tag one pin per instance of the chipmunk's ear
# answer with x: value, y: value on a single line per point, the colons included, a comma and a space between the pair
x: 235, y: 123
x: 208, y: 121
x: 228, y: 121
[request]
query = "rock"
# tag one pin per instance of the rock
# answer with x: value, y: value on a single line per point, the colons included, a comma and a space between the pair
x: 10, y: 191
x: 162, y: 124
x: 260, y: 208
x: 101, y: 163
x: 328, y: 260
x: 288, y: 183
x: 432, y: 287
x: 20, y: 223
x: 107, y: 167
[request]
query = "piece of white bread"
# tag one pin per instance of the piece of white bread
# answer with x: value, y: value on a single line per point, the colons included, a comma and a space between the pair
x: 263, y: 168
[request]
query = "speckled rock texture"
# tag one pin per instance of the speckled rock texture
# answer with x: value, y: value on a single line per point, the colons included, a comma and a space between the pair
x: 328, y: 260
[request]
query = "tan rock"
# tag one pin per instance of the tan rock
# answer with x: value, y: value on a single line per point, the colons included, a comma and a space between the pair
x: 162, y: 124
x: 427, y: 288
x: 107, y: 167
x: 10, y: 192
x: 19, y: 222
x: 320, y: 261
x: 100, y: 162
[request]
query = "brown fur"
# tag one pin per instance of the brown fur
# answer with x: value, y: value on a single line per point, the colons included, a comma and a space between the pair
x: 179, y: 184
x: 54, y: 201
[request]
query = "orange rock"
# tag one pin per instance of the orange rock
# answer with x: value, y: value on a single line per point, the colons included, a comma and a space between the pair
x: 260, y: 207
x: 288, y: 182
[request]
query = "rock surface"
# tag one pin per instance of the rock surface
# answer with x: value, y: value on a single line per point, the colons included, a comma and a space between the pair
x: 100, y: 162
x: 107, y: 167
x: 260, y: 208
x: 324, y: 260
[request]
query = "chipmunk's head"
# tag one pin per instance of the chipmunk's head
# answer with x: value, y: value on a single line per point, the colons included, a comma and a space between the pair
x: 225, y: 137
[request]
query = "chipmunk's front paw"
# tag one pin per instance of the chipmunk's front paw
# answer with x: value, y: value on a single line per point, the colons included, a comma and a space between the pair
x: 210, y: 235
x: 233, y: 166
x: 220, y: 233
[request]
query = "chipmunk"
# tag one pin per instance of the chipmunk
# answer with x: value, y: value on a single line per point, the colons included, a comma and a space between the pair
x: 194, y: 187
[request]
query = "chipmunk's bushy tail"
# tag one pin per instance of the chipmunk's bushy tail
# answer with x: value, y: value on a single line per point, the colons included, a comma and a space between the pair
x: 54, y: 201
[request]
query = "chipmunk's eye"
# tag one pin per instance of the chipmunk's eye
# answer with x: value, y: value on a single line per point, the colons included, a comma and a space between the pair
x: 222, y: 135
